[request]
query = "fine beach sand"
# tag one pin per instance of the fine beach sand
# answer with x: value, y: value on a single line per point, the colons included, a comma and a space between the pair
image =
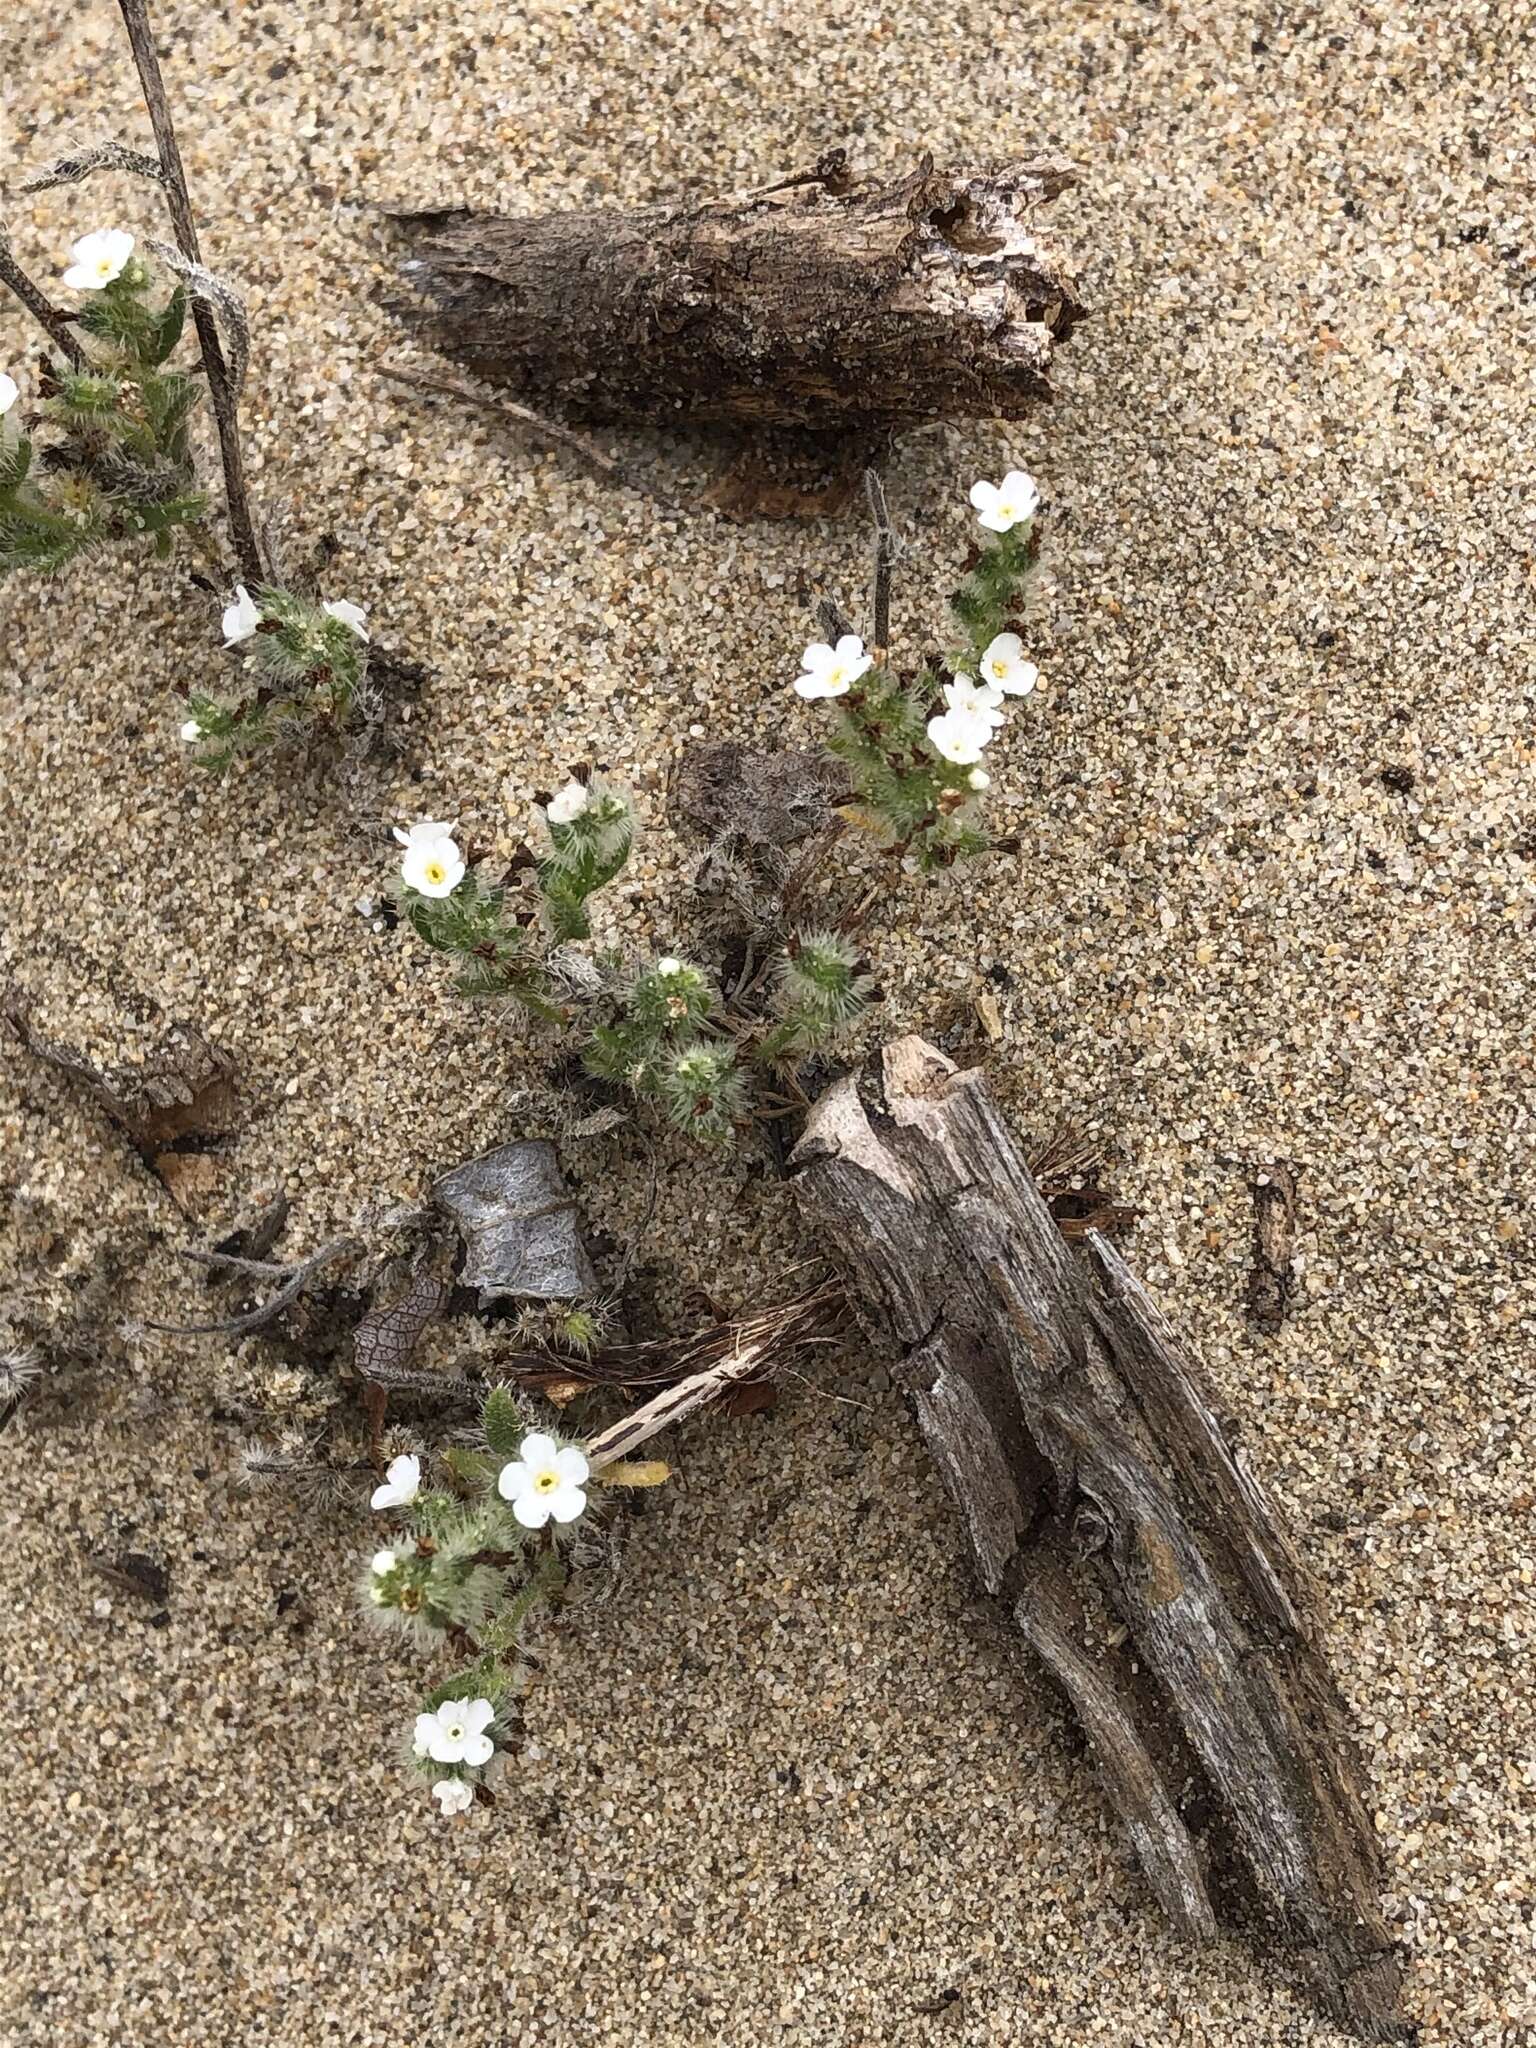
x: 785, y: 1785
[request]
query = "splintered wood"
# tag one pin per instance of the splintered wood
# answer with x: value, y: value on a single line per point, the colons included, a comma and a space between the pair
x: 1145, y: 1566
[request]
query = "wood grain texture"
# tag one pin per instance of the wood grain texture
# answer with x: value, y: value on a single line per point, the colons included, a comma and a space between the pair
x: 822, y: 306
x: 1104, y: 1507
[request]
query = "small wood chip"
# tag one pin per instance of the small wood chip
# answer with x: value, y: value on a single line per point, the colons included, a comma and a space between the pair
x: 1272, y: 1284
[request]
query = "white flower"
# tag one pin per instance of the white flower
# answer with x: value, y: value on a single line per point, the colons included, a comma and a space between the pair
x: 1003, y: 506
x: 567, y: 805
x: 455, y: 1734
x: 424, y: 830
x: 382, y: 1564
x: 975, y: 700
x: 97, y: 259
x: 979, y: 779
x: 1004, y: 667
x: 669, y: 966
x: 402, y: 1483
x: 353, y: 615
x: 960, y: 736
x: 433, y: 864
x: 10, y: 391
x: 543, y: 1482
x: 241, y: 618
x: 453, y: 1795
x: 829, y: 671
x: 191, y: 731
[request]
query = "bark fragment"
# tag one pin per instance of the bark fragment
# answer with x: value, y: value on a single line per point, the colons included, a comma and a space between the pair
x: 822, y: 305
x: 178, y: 1109
x: 1091, y: 1471
x: 1272, y: 1284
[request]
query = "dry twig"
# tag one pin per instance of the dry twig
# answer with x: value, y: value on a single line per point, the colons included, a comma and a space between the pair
x: 221, y: 387
x: 555, y: 432
x: 748, y: 1350
x: 47, y: 315
x: 874, y: 490
x: 295, y: 1281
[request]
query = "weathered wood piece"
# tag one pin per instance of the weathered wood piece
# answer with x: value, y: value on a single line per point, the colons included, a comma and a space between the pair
x: 1272, y: 1283
x: 821, y: 305
x: 178, y: 1110
x: 1106, y: 1511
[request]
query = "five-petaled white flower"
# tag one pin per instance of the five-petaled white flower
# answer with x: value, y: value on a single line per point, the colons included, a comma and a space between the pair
x: 830, y: 671
x: 544, y: 1482
x: 191, y: 731
x: 567, y: 804
x: 95, y: 260
x: 433, y: 864
x: 353, y: 615
x: 669, y: 966
x: 1001, y: 507
x: 1004, y: 667
x: 976, y: 700
x: 384, y: 1562
x: 455, y: 1734
x: 10, y: 391
x: 402, y: 1483
x: 241, y: 618
x: 960, y: 736
x: 979, y: 779
x: 453, y: 1795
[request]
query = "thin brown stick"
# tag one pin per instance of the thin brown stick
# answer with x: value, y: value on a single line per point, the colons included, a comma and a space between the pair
x: 874, y: 491
x: 553, y: 431
x: 832, y: 619
x: 47, y: 315
x: 264, y: 1311
x: 221, y: 391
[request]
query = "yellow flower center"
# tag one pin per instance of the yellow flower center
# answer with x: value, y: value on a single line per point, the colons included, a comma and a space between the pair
x: 546, y: 1481
x: 435, y: 872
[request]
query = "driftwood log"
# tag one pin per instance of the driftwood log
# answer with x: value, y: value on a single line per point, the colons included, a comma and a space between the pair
x: 820, y: 305
x: 1105, y: 1510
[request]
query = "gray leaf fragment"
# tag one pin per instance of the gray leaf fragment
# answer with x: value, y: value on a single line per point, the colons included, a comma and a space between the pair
x: 519, y: 1224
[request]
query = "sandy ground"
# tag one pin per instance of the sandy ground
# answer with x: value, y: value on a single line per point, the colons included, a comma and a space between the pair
x: 785, y: 1787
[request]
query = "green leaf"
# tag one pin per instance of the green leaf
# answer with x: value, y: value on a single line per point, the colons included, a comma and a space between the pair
x: 14, y: 464
x: 160, y: 519
x: 472, y: 1468
x: 169, y: 402
x: 481, y: 1680
x: 502, y: 1420
x: 166, y: 329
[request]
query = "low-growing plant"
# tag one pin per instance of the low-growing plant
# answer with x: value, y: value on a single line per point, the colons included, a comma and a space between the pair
x: 302, y: 668
x: 106, y: 457
x: 112, y: 462
x: 663, y: 1031
x: 473, y: 1566
x: 590, y: 831
x: 913, y: 745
